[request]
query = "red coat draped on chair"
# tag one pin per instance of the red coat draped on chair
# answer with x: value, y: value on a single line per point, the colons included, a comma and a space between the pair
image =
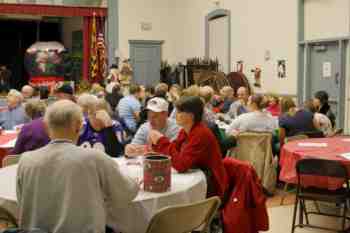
x: 245, y: 211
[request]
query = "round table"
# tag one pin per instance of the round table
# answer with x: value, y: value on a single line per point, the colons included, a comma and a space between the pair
x: 185, y: 188
x: 8, y: 139
x: 317, y: 148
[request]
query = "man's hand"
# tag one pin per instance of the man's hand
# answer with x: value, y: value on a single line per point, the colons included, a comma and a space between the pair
x: 154, y: 136
x: 104, y: 118
x: 132, y: 150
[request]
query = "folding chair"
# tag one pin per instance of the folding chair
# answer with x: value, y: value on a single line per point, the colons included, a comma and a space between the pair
x: 325, y: 169
x: 8, y: 218
x: 290, y: 139
x: 184, y: 218
x: 256, y: 148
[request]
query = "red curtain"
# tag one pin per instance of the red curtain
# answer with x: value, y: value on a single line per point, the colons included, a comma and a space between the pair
x: 63, y: 11
x: 51, y: 10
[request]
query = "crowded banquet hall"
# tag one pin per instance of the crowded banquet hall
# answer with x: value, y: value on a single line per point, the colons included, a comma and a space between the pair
x: 174, y: 116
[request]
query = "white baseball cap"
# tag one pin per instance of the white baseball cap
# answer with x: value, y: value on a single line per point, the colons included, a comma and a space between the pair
x: 157, y: 105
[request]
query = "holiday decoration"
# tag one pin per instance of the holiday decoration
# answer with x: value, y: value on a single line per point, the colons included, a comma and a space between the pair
x: 257, y: 76
x: 47, y: 63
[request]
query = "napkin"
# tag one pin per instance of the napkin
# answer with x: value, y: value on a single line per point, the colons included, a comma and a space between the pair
x: 345, y: 155
x: 312, y: 144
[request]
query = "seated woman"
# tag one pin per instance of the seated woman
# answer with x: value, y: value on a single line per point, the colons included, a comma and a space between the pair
x: 321, y: 121
x: 274, y: 106
x: 256, y: 120
x: 195, y: 146
x: 100, y: 131
x: 33, y: 135
x: 320, y: 101
x: 294, y: 121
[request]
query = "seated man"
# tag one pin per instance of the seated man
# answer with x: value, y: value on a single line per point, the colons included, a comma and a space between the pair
x: 129, y: 108
x: 64, y: 92
x: 27, y: 91
x: 15, y: 114
x: 65, y: 188
x: 158, y: 120
x: 239, y: 106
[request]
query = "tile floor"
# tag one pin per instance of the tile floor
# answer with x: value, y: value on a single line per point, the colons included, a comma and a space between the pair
x: 281, y: 216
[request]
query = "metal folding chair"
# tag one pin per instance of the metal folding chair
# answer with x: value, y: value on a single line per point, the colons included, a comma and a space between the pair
x: 326, y: 169
x: 184, y: 218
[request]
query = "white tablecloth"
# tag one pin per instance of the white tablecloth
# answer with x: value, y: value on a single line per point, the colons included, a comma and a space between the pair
x: 185, y: 188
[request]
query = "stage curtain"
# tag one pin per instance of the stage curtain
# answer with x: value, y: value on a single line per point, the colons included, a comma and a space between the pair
x: 51, y: 10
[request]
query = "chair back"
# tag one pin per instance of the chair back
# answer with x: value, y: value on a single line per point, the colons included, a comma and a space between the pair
x: 321, y: 167
x: 10, y: 160
x: 8, y: 218
x: 184, y: 218
x: 256, y: 148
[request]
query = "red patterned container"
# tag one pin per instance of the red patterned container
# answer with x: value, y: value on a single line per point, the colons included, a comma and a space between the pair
x: 156, y: 173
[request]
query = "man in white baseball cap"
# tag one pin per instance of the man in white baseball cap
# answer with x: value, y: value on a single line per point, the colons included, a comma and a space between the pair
x: 157, y: 119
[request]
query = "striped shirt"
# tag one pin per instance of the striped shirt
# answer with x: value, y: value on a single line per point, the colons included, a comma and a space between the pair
x: 127, y: 107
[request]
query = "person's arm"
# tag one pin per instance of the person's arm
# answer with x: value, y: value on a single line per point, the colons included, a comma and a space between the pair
x: 183, y: 156
x: 20, y: 142
x: 119, y: 189
x: 141, y: 135
x: 112, y: 145
x: 282, y: 135
x: 233, y: 127
x: 316, y: 122
x: 136, y: 109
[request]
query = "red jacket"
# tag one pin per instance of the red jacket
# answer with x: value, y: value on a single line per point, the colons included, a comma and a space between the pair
x: 275, y: 110
x: 245, y: 211
x: 198, y: 149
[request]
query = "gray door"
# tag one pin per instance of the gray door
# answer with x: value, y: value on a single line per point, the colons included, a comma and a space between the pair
x: 325, y: 74
x: 145, y: 60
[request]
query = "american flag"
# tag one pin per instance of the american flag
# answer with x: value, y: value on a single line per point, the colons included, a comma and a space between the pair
x: 93, y: 53
x: 101, y: 52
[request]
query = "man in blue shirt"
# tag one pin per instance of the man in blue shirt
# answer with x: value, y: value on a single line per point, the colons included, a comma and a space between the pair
x: 157, y: 119
x: 15, y: 114
x: 129, y: 108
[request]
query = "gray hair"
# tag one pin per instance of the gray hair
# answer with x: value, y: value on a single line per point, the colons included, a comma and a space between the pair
x: 16, y: 94
x: 87, y: 101
x: 101, y: 104
x: 35, y: 108
x: 62, y: 115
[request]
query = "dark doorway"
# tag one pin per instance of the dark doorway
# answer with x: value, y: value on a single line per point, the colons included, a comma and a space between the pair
x: 16, y: 37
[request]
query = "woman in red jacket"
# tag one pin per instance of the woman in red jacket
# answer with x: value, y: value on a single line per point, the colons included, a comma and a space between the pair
x: 195, y: 146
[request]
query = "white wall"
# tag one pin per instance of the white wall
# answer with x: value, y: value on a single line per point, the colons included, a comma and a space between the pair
x: 256, y: 27
x: 70, y: 25
x: 326, y: 18
x: 157, y: 12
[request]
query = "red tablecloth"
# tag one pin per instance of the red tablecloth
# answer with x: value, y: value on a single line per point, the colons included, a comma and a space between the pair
x: 291, y: 153
x: 7, y: 137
